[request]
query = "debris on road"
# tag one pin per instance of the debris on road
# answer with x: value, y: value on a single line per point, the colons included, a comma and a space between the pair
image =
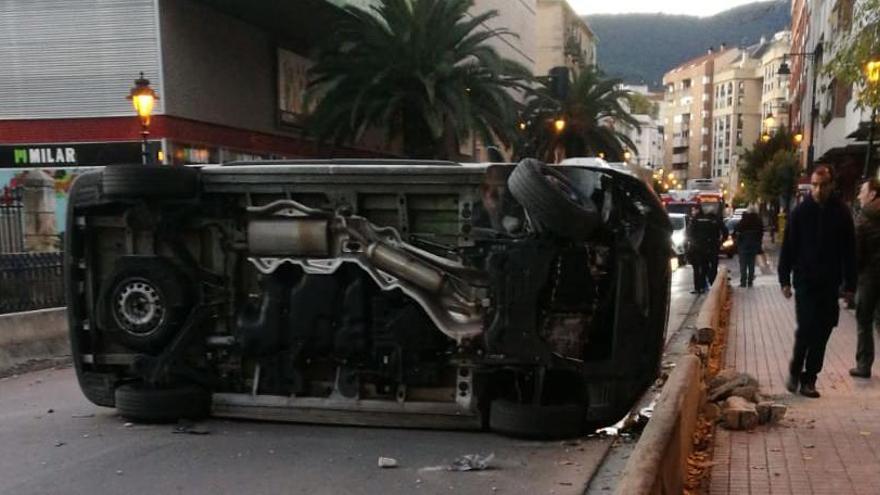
x: 60, y: 444
x: 741, y: 403
x: 387, y: 462
x: 471, y: 462
x: 190, y: 429
x: 80, y: 416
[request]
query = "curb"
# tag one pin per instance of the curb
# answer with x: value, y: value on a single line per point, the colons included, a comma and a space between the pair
x: 658, y: 464
x: 28, y: 335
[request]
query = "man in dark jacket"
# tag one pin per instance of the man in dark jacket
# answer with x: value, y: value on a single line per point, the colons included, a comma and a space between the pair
x: 818, y: 249
x: 868, y: 293
x: 748, y: 233
x: 705, y: 233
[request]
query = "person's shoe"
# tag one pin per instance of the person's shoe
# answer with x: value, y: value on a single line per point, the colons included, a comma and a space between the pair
x: 791, y: 384
x: 742, y: 284
x: 860, y: 373
x: 809, y: 390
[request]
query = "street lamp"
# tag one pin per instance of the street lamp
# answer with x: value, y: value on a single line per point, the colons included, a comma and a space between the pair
x: 785, y: 72
x: 872, y: 74
x: 559, y: 125
x: 143, y: 98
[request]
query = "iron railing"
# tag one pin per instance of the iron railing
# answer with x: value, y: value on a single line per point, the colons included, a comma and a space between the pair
x: 11, y: 225
x: 31, y: 281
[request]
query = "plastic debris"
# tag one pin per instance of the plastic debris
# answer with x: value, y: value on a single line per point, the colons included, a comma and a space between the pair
x: 471, y: 462
x: 190, y: 429
x: 387, y: 462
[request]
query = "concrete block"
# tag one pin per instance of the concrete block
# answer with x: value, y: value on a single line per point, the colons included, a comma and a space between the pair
x: 777, y: 412
x: 763, y: 409
x: 739, y: 414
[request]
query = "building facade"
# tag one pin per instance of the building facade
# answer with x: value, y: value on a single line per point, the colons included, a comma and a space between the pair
x: 687, y: 114
x: 648, y: 138
x: 230, y: 78
x: 834, y: 130
x: 563, y: 38
x: 736, y: 112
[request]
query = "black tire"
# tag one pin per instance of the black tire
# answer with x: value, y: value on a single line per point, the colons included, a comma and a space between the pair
x: 537, y: 421
x: 85, y: 190
x: 150, y: 181
x: 138, y: 402
x: 552, y: 200
x: 145, y: 301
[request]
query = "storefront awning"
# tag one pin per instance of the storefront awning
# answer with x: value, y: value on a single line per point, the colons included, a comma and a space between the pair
x: 839, y: 153
x: 861, y: 134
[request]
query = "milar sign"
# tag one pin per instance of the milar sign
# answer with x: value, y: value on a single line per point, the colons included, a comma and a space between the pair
x: 44, y: 156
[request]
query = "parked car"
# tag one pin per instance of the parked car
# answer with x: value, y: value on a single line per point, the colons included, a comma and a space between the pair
x: 728, y: 247
x: 679, y: 235
x: 528, y: 299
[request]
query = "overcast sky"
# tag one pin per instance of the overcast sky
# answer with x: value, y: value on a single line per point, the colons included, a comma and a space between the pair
x: 687, y: 7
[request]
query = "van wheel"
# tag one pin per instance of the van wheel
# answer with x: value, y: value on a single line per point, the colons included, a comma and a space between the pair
x: 141, y: 403
x: 145, y: 301
x: 149, y: 181
x: 553, y: 200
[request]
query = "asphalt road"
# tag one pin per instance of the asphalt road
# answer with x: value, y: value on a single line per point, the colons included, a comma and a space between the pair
x: 82, y: 448
x: 53, y: 441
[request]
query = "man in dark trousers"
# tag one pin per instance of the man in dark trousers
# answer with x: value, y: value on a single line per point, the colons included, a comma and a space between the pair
x: 705, y: 234
x: 868, y: 293
x: 748, y: 233
x: 818, y: 250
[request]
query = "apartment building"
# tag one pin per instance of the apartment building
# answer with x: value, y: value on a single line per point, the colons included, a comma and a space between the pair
x: 750, y: 98
x: 775, y: 98
x: 563, y: 38
x: 736, y: 112
x: 687, y: 114
x: 835, y: 131
x: 648, y: 138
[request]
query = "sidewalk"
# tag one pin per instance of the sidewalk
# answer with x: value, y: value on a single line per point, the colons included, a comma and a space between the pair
x: 829, y: 445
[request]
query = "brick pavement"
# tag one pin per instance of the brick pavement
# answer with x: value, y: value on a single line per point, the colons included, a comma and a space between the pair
x: 829, y: 445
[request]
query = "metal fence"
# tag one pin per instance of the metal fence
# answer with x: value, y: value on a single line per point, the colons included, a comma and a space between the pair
x: 31, y: 281
x: 11, y: 225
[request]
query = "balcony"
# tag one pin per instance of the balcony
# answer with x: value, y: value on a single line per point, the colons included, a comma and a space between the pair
x: 680, y: 142
x: 679, y: 158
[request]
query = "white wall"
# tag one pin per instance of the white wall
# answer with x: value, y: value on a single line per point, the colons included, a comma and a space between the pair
x: 75, y: 58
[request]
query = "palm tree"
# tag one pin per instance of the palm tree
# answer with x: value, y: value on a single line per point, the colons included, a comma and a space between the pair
x: 589, y: 110
x: 419, y: 70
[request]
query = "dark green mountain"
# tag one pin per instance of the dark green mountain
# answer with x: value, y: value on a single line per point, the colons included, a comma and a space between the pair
x: 640, y: 48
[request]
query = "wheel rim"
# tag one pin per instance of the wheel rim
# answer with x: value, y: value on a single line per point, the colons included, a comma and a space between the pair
x: 139, y: 307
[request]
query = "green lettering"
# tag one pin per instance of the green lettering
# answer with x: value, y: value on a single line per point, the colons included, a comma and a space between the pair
x: 20, y: 156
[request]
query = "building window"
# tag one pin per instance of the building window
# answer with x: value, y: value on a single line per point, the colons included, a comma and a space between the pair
x: 686, y: 84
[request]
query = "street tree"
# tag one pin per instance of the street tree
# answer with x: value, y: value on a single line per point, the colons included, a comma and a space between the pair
x: 419, y: 71
x: 755, y: 158
x: 778, y: 179
x: 589, y: 109
x: 855, y: 50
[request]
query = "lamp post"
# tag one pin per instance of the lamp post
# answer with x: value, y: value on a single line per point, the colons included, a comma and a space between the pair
x: 872, y: 74
x: 784, y: 71
x: 143, y: 98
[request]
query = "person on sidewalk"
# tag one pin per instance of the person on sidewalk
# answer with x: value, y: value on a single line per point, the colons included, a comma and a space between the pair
x: 818, y: 252
x: 704, y: 234
x: 868, y: 259
x: 748, y: 234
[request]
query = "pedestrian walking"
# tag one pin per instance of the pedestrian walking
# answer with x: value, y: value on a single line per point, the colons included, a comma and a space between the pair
x: 818, y: 253
x: 748, y: 234
x: 868, y: 265
x: 705, y: 233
